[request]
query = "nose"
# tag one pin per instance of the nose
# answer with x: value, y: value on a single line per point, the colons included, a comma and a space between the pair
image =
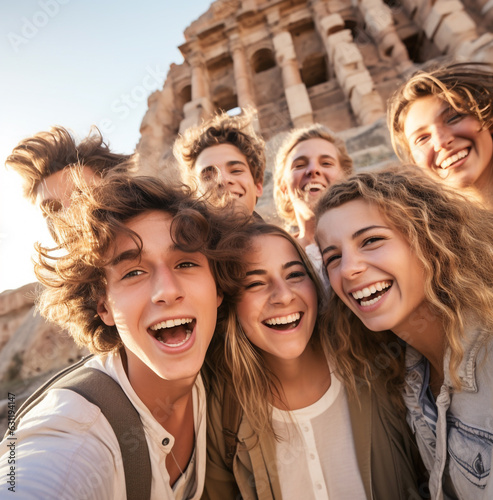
x: 441, y: 137
x: 312, y: 169
x: 166, y: 287
x: 352, y: 265
x: 281, y: 293
x: 224, y: 177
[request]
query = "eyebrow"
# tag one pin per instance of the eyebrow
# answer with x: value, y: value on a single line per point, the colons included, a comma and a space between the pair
x: 355, y: 235
x: 133, y: 254
x: 304, y: 157
x: 230, y: 163
x: 285, y: 266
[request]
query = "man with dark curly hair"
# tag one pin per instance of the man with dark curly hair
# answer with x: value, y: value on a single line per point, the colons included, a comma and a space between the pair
x: 224, y: 158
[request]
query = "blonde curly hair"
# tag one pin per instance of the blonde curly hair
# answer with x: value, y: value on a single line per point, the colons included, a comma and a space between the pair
x: 451, y: 237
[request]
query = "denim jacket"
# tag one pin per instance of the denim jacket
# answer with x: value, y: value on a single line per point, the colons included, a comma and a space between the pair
x: 458, y: 456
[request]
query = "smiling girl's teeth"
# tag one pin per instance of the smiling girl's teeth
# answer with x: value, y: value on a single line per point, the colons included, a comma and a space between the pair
x: 366, y: 292
x: 169, y: 323
x: 452, y: 159
x: 284, y: 320
x: 371, y: 301
x: 177, y: 344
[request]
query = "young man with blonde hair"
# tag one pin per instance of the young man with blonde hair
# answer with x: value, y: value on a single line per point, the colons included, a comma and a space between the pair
x: 44, y: 162
x: 308, y: 162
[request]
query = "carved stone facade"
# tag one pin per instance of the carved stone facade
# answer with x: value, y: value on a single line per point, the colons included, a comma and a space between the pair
x: 304, y: 61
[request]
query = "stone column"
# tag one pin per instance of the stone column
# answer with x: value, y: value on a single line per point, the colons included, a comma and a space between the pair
x: 200, y: 107
x: 380, y: 26
x: 451, y: 29
x: 241, y: 71
x: 300, y: 109
x: 351, y: 73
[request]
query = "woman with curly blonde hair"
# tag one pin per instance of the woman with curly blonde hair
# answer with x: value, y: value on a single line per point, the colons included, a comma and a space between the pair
x: 299, y: 434
x: 442, y: 120
x: 410, y: 264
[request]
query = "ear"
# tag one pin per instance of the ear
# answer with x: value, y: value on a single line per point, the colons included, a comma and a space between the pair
x: 105, y: 313
x: 220, y: 297
x: 259, y: 189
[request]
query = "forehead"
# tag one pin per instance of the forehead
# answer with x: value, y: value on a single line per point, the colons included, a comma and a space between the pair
x: 59, y: 186
x: 422, y: 112
x: 153, y: 227
x: 313, y: 148
x: 219, y: 155
x: 343, y: 221
x: 273, y: 248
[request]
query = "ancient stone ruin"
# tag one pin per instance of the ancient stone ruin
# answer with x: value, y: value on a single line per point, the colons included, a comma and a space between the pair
x: 296, y: 62
x: 303, y: 61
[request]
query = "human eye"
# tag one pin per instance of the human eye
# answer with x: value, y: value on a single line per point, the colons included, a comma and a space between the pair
x: 186, y: 265
x: 331, y: 259
x: 372, y: 240
x: 132, y: 274
x: 454, y: 117
x: 298, y: 165
x: 253, y: 284
x: 296, y: 274
x: 421, y: 139
x: 209, y: 174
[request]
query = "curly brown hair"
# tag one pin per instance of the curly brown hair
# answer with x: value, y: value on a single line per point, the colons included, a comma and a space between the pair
x: 222, y: 129
x: 75, y: 280
x: 466, y: 87
x: 46, y: 153
x: 284, y: 205
x: 451, y: 237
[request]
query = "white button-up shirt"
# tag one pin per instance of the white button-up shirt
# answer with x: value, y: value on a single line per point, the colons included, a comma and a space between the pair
x: 66, y: 449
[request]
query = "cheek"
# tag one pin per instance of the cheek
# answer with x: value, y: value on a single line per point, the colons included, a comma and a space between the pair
x: 247, y: 315
x: 335, y: 281
x: 292, y: 180
x: 421, y: 156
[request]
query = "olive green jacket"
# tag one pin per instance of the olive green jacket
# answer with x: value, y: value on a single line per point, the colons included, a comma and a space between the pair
x: 387, y: 455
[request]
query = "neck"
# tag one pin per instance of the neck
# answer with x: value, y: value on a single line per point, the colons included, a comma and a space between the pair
x: 306, y: 235
x: 167, y: 400
x: 302, y: 381
x: 424, y: 331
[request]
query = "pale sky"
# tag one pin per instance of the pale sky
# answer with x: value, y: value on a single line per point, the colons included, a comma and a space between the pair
x: 76, y: 63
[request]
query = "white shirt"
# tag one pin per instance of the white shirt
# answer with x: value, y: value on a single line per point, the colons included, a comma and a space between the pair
x: 316, y: 458
x: 313, y: 253
x: 66, y: 449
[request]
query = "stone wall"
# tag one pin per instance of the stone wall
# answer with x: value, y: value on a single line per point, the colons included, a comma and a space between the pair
x: 31, y: 349
x: 303, y: 61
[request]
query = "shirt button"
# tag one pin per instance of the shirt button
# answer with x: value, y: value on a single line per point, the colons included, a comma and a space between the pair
x: 165, y: 441
x: 312, y: 456
x: 319, y: 486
